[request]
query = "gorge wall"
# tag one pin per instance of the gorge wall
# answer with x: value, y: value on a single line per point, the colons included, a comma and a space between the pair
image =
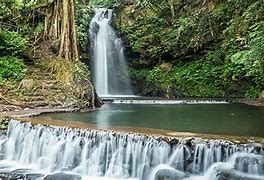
x: 184, y: 48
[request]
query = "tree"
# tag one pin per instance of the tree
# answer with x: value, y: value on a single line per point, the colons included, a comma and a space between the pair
x: 60, y: 27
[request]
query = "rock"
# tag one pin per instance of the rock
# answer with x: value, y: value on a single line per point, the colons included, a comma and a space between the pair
x: 46, y: 85
x: 55, y: 47
x: 61, y: 97
x: 173, y: 141
x: 62, y: 176
x: 44, y: 92
x: 34, y: 175
x: 4, y: 176
x: 261, y: 96
x: 168, y: 173
x: 3, y: 124
x: 173, y: 93
x: 84, y: 91
x: 27, y: 84
x: 165, y: 66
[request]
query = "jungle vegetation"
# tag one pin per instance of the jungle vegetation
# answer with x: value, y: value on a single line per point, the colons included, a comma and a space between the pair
x: 175, y: 48
x: 196, y: 48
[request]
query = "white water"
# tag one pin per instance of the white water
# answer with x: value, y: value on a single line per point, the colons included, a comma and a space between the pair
x: 157, y: 101
x: 109, y: 64
x: 55, y: 151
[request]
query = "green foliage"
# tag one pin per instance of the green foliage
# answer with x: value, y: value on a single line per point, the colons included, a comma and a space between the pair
x: 104, y: 3
x: 158, y: 78
x: 20, y: 16
x: 38, y: 30
x: 226, y: 71
x: 82, y: 70
x: 11, y: 68
x: 173, y: 28
x: 222, y: 41
x: 199, y: 79
x: 83, y: 17
x: 253, y: 92
x: 11, y: 43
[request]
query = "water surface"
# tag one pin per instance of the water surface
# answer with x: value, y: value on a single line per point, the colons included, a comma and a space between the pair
x: 224, y: 119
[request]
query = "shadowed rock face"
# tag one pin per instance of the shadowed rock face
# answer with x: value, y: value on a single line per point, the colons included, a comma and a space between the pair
x: 66, y: 153
x: 261, y: 97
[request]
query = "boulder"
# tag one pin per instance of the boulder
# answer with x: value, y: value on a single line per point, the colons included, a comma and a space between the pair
x: 261, y: 96
x: 173, y: 93
x: 168, y: 173
x: 165, y: 66
x: 62, y: 176
x: 27, y: 84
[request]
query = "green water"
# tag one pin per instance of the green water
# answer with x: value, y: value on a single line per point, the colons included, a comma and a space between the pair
x: 225, y: 119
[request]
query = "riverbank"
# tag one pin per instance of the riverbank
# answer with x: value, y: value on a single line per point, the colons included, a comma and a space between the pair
x: 251, y: 102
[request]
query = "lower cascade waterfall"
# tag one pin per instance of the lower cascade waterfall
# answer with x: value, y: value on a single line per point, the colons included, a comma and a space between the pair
x: 49, y: 152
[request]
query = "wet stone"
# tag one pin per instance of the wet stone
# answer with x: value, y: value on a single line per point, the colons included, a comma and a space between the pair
x: 33, y: 176
x: 62, y: 176
x: 3, y: 176
x: 174, y: 141
x: 167, y: 174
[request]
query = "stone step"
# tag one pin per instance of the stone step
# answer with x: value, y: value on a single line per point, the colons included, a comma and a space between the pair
x: 17, y: 94
x: 56, y: 91
x: 57, y: 104
x: 44, y: 78
x: 32, y: 98
x: 48, y: 84
x: 47, y: 92
x: 2, y: 101
x: 36, y: 70
x: 57, y: 87
x: 12, y: 91
x: 36, y: 103
x: 50, y: 81
x: 45, y: 75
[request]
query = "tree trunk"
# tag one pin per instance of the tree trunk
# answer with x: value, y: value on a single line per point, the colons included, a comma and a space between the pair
x: 60, y: 28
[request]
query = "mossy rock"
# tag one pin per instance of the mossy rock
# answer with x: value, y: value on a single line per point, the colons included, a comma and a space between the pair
x: 261, y: 97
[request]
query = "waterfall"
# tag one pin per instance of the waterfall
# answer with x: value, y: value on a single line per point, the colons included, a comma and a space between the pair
x: 48, y: 151
x: 110, y: 74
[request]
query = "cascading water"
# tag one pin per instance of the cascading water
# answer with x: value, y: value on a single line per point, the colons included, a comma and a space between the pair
x: 109, y: 65
x: 49, y: 152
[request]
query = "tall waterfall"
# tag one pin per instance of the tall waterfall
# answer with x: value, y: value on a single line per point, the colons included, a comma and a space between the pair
x: 49, y: 152
x: 109, y: 64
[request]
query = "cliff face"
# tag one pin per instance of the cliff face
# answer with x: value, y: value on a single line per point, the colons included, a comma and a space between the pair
x: 185, y: 48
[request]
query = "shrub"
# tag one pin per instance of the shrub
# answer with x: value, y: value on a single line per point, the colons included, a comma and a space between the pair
x: 11, y: 68
x: 11, y: 43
